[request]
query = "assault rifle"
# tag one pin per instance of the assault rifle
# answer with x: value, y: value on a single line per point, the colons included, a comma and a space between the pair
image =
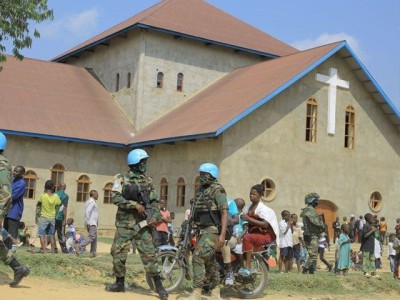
x: 186, y: 228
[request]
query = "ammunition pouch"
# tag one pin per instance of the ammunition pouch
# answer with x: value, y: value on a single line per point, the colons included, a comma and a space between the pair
x: 131, y: 192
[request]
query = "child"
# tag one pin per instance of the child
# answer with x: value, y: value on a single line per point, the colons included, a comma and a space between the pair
x: 377, y: 254
x: 396, y: 247
x: 368, y: 247
x: 23, y: 234
x: 344, y: 247
x: 391, y: 253
x: 71, y: 235
x: 323, y: 243
x: 239, y: 230
x: 297, y: 242
x: 286, y: 241
x: 78, y: 241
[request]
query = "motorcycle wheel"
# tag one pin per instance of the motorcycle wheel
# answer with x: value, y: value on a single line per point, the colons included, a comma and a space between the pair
x: 254, y: 285
x: 172, y: 271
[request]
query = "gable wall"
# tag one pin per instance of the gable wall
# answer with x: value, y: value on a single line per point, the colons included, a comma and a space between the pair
x: 270, y: 143
x: 144, y: 54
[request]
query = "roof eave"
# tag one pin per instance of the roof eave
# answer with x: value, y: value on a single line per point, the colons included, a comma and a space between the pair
x: 169, y: 32
x: 61, y: 138
x: 186, y: 138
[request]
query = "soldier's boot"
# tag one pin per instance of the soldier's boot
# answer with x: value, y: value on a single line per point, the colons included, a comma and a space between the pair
x: 20, y: 272
x: 311, y: 270
x: 216, y: 293
x: 305, y: 270
x: 159, y: 287
x: 118, y: 286
x: 195, y: 295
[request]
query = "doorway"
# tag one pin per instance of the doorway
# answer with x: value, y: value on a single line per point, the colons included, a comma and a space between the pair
x: 328, y: 209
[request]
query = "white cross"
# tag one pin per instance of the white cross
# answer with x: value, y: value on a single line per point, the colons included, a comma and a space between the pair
x: 333, y: 81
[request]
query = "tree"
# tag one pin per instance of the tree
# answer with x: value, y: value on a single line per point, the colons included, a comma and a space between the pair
x: 15, y: 18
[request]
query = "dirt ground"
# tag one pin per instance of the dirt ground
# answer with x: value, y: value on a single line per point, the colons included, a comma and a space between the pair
x: 39, y: 289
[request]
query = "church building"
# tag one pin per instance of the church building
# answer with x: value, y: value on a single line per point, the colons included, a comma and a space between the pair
x: 189, y: 84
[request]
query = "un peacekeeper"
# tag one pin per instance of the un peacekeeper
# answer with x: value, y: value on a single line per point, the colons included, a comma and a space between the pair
x: 211, y: 219
x: 313, y: 227
x: 7, y: 256
x: 131, y: 221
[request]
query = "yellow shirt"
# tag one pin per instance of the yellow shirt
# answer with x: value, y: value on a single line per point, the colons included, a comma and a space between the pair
x: 49, y: 204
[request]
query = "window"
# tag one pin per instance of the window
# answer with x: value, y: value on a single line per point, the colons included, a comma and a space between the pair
x: 269, y: 192
x: 128, y: 80
x: 107, y: 193
x: 117, y: 83
x: 83, y: 188
x: 375, y: 201
x: 196, y: 185
x: 349, y: 128
x: 57, y: 175
x: 164, y: 188
x: 179, y: 82
x: 311, y: 120
x: 180, y: 195
x: 30, y: 178
x: 160, y: 79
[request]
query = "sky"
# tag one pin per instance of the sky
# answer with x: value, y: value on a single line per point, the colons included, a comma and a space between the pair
x: 371, y: 28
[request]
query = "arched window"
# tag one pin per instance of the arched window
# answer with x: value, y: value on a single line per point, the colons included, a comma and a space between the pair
x: 196, y: 185
x: 83, y: 188
x: 160, y: 79
x: 179, y: 82
x: 128, y: 80
x: 269, y: 189
x: 107, y: 193
x: 181, y: 190
x: 349, y: 127
x: 311, y: 120
x: 375, y: 201
x: 30, y: 178
x: 117, y: 83
x: 164, y: 188
x: 57, y: 175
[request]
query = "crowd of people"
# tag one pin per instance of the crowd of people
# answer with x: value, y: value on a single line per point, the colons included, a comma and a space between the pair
x: 221, y: 225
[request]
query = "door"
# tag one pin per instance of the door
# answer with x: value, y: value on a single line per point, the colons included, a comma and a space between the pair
x: 328, y: 209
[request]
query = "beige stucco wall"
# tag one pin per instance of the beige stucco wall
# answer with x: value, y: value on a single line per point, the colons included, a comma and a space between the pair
x: 270, y: 143
x: 145, y: 53
x: 100, y: 163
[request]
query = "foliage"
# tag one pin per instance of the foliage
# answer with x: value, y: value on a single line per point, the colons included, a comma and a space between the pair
x: 15, y: 17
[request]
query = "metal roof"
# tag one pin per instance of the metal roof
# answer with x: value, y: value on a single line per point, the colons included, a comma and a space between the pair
x: 58, y: 101
x: 193, y: 19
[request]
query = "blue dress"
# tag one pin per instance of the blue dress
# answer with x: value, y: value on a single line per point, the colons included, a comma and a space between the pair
x: 344, y: 252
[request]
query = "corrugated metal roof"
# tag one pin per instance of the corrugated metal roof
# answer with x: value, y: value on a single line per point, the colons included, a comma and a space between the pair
x: 239, y: 93
x: 59, y: 101
x: 193, y: 19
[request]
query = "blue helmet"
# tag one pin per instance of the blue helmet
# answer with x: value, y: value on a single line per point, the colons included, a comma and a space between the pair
x: 135, y: 156
x: 3, y: 142
x: 210, y: 169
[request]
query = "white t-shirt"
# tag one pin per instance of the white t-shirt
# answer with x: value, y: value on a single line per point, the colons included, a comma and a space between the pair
x: 285, y: 239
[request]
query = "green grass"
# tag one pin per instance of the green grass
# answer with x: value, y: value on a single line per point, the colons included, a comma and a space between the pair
x: 98, y: 271
x: 105, y: 239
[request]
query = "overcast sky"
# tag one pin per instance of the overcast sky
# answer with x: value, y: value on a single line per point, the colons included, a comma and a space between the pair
x: 371, y: 27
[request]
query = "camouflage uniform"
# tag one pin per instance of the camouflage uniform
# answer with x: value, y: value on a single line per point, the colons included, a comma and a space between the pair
x: 126, y: 220
x: 5, y: 186
x: 5, y: 195
x: 204, y: 260
x: 313, y: 227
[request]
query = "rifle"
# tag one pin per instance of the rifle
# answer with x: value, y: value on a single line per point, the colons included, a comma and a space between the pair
x: 322, y: 218
x: 188, y: 227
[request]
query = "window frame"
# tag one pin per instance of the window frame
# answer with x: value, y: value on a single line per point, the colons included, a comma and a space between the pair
x: 160, y: 80
x: 311, y: 120
x: 107, y: 198
x: 84, y: 180
x: 180, y: 192
x: 269, y: 189
x: 375, y: 201
x: 55, y: 175
x: 349, y: 127
x: 164, y: 188
x: 30, y: 176
x: 179, y: 82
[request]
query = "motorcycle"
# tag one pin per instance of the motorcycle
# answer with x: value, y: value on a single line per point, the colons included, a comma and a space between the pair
x: 174, y: 265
